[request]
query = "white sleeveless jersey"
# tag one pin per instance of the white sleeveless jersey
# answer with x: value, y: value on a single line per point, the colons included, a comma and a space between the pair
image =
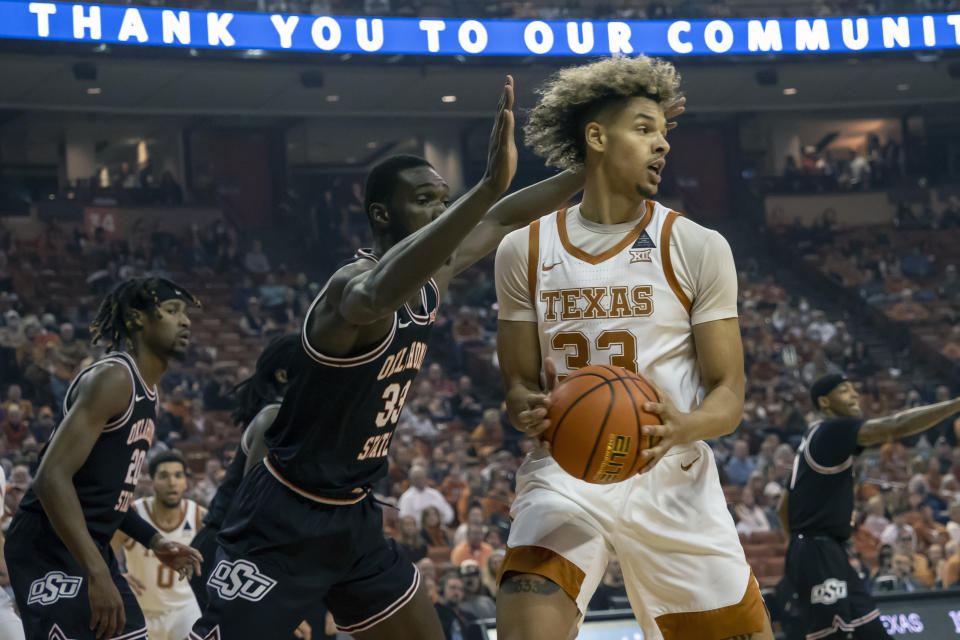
x: 623, y: 306
x: 164, y: 589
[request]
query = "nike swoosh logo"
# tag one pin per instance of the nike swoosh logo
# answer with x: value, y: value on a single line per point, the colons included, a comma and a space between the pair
x: 686, y: 467
x: 404, y: 325
x: 138, y: 398
x: 547, y: 268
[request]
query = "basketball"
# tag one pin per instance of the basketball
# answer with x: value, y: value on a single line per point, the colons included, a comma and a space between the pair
x: 595, y: 422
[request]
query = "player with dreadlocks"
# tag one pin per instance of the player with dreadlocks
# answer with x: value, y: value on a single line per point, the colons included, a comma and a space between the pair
x: 64, y: 574
x: 258, y: 401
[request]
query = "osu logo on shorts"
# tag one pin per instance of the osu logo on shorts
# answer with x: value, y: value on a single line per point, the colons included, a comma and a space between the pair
x: 52, y: 587
x: 829, y: 592
x: 240, y: 579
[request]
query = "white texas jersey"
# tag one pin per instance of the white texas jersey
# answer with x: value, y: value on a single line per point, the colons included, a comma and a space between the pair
x: 164, y: 589
x: 623, y: 305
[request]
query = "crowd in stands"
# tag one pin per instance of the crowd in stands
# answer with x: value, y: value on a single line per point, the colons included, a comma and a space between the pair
x: 569, y: 9
x: 906, y: 271
x: 876, y: 165
x: 455, y: 455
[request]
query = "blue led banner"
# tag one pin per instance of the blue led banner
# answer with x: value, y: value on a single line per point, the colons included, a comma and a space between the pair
x: 65, y: 22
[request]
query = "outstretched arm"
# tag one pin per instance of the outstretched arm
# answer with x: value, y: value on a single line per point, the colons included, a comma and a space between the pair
x: 905, y: 423
x: 515, y: 211
x: 376, y: 293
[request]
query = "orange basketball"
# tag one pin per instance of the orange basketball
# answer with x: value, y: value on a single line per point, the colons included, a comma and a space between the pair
x: 595, y: 423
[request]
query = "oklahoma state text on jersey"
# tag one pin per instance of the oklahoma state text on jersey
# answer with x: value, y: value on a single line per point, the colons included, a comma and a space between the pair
x: 337, y: 419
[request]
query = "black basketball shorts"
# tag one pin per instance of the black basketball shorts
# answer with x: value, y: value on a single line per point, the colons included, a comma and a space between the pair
x: 206, y: 543
x: 51, y: 587
x: 833, y: 598
x: 283, y: 556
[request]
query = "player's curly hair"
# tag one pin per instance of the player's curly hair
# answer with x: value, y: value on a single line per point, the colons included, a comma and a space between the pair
x: 573, y: 95
x: 112, y: 324
x: 262, y: 387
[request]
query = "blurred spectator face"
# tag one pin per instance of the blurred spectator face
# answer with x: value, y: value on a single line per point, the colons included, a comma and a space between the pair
x: 435, y: 373
x: 493, y: 539
x: 169, y: 483
x: 213, y: 467
x: 431, y: 518
x: 14, y: 414
x: 465, y: 385
x: 427, y: 568
x: 253, y: 305
x: 902, y: 565
x: 45, y: 418
x: 408, y: 526
x: 495, y: 562
x: 11, y: 501
x: 475, y: 515
x: 614, y: 573
x: 935, y: 554
x: 66, y: 332
x: 875, y: 506
x: 470, y: 576
x: 20, y: 474
x: 491, y: 417
x: 943, y: 393
x: 14, y: 393
x: 740, y: 449
x: 747, y: 497
x: 452, y: 591
x: 418, y: 477
x: 474, y: 535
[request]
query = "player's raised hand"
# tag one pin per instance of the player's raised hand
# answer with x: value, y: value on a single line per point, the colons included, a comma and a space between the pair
x: 502, y: 152
x: 179, y: 557
x: 674, y: 109
x: 670, y: 431
x: 107, y: 615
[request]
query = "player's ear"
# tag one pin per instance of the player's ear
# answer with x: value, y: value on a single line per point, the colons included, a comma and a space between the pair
x: 280, y: 375
x: 594, y: 136
x: 378, y: 214
x: 135, y: 319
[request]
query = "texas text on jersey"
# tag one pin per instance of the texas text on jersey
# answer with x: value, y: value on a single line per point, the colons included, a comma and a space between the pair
x: 334, y: 428
x: 106, y: 481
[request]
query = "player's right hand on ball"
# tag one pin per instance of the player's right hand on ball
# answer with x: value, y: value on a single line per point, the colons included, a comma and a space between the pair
x: 533, y: 420
x: 107, y: 615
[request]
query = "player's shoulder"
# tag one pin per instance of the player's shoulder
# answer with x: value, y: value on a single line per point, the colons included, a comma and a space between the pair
x: 516, y: 244
x: 688, y: 231
x: 105, y: 381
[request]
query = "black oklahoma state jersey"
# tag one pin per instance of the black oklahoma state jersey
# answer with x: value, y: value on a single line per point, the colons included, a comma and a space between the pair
x: 106, y: 481
x: 334, y: 427
x: 821, y: 487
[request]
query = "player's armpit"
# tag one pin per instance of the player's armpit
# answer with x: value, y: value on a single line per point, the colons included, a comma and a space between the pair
x: 254, y: 435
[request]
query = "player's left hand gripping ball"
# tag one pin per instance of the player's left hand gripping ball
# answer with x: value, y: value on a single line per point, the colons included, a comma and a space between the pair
x: 671, y: 431
x: 179, y: 557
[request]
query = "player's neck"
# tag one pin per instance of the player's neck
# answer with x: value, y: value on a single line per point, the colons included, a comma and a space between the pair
x: 151, y: 366
x: 167, y: 517
x: 606, y: 206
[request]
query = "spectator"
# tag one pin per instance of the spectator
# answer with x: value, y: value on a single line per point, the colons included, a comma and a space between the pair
x: 416, y: 420
x: 951, y: 567
x: 477, y: 602
x: 431, y: 528
x: 255, y: 260
x: 611, y: 592
x: 950, y: 287
x: 899, y: 534
x: 488, y: 436
x: 473, y: 547
x: 66, y: 356
x: 419, y: 496
x: 907, y: 310
x: 474, y: 516
x: 465, y: 405
x: 15, y: 427
x: 15, y: 396
x: 740, y: 466
x: 904, y: 579
x: 953, y: 524
x: 750, y: 516
x: 410, y: 539
x: 255, y: 323
x: 44, y: 425
x: 205, y: 489
x: 876, y: 521
x: 492, y: 570
x: 452, y: 620
x: 439, y: 383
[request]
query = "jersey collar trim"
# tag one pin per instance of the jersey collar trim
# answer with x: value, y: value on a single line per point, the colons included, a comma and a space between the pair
x: 590, y: 258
